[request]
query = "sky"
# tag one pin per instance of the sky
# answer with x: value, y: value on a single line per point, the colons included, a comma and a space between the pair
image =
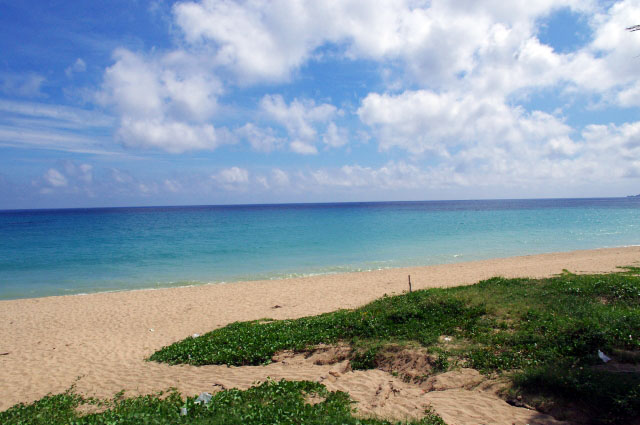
x: 134, y: 103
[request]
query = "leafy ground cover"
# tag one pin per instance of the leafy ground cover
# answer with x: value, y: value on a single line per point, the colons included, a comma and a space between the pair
x: 419, y: 316
x: 546, y: 332
x: 283, y: 402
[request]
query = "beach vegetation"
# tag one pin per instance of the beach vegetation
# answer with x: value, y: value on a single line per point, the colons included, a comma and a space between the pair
x: 365, y: 359
x: 271, y: 402
x: 544, y: 333
x: 417, y: 316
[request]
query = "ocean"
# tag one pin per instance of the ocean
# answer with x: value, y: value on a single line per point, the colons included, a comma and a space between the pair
x: 75, y: 251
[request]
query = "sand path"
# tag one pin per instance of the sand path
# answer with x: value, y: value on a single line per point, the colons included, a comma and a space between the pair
x: 100, y: 341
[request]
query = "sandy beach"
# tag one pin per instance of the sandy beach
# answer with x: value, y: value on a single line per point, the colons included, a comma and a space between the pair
x: 99, y: 342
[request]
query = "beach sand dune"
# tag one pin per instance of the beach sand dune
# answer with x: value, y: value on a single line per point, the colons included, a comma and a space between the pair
x: 99, y: 342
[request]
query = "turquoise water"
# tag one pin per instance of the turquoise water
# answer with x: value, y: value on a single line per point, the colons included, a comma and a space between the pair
x: 57, y: 252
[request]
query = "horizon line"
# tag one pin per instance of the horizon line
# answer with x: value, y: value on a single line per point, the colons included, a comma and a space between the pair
x: 307, y: 203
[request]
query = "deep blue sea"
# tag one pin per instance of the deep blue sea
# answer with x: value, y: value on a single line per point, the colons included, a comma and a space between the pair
x: 72, y: 251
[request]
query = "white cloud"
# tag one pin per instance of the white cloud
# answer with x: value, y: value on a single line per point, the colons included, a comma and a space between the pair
x: 613, y: 150
x: 172, y: 136
x: 260, y: 40
x: 256, y: 40
x: 233, y: 178
x: 489, y: 47
x: 601, y: 153
x: 300, y: 118
x: 260, y: 139
x: 335, y: 136
x: 55, y: 178
x: 163, y: 102
x: 303, y: 148
x: 234, y: 175
x: 132, y: 85
x: 299, y: 115
x: 68, y: 177
x: 423, y: 121
x: 268, y: 40
x: 608, y: 64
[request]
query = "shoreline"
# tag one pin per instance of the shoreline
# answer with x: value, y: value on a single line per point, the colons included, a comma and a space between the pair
x: 312, y: 275
x: 99, y: 341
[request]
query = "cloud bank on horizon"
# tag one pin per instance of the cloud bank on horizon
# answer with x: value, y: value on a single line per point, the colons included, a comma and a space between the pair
x: 252, y: 101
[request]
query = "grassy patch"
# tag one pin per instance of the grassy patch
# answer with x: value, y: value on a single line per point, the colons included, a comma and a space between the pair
x: 52, y: 409
x: 525, y: 325
x: 283, y: 402
x: 607, y: 398
x: 418, y: 316
x: 363, y: 360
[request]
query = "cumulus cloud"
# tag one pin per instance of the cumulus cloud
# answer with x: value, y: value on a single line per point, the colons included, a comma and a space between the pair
x: 132, y: 85
x: 487, y: 46
x: 257, y: 41
x: 424, y: 121
x: 613, y: 144
x: 172, y: 136
x: 446, y: 48
x: 600, y: 153
x: 301, y: 119
x: 163, y: 102
x: 605, y: 66
x: 335, y: 136
x: 267, y: 41
x: 612, y: 47
x: 436, y: 41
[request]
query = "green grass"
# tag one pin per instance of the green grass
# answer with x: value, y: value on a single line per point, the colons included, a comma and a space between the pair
x: 283, y: 402
x: 418, y: 316
x: 604, y: 397
x: 536, y: 327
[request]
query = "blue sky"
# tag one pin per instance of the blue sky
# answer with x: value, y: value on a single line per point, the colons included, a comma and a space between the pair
x: 214, y: 102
